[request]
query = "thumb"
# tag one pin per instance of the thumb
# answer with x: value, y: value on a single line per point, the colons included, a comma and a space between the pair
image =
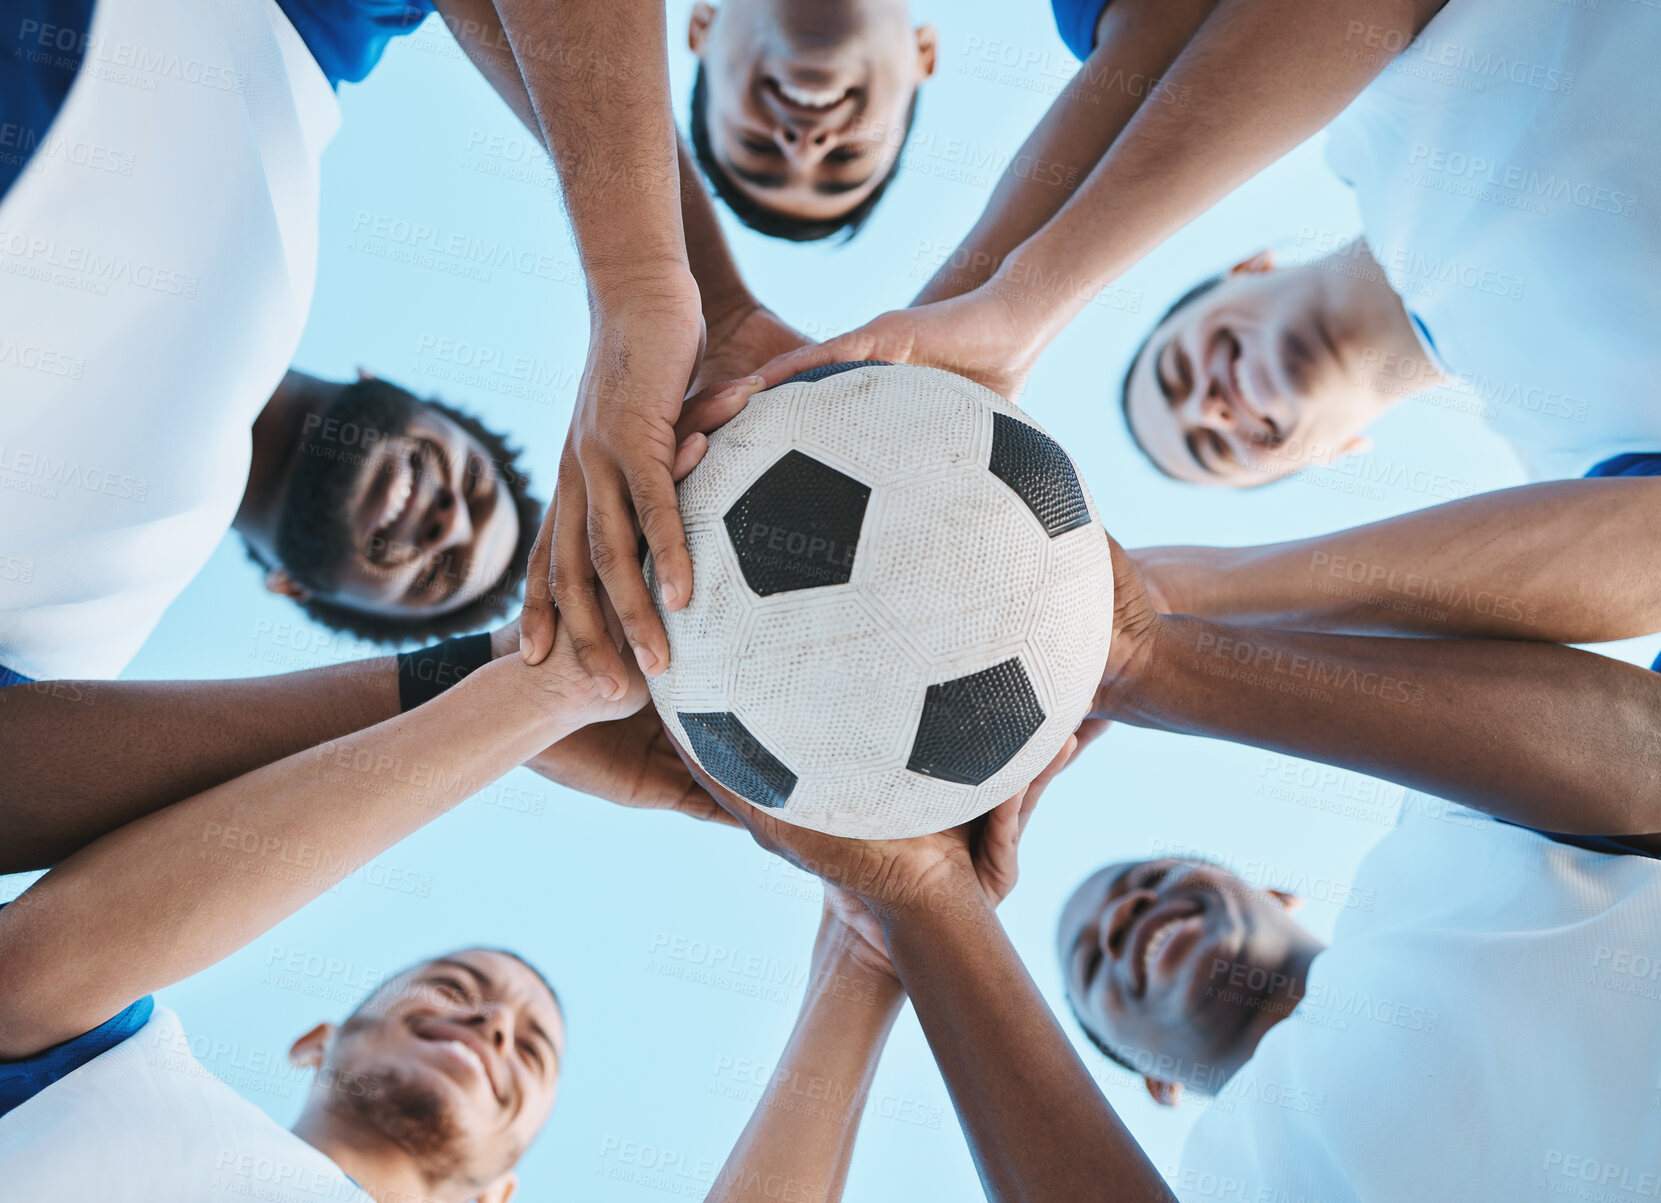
x: 792, y: 363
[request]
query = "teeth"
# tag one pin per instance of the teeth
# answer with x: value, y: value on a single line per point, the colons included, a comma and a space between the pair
x: 1244, y: 386
x: 470, y: 1055
x: 812, y: 98
x: 1156, y: 945
x: 397, y: 496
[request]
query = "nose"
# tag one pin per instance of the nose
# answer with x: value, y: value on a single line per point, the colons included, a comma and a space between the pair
x: 497, y: 1026
x: 1205, y: 407
x: 446, y: 524
x: 1116, y: 924
x: 804, y: 141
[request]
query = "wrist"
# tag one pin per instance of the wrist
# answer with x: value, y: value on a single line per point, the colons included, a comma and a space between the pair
x: 947, y: 892
x: 1042, y: 291
x: 725, y: 310
x: 640, y: 285
x: 536, y: 699
x: 1135, y: 664
x: 1167, y: 663
x: 845, y: 965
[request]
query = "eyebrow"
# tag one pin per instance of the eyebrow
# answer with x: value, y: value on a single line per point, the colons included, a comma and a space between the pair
x: 760, y: 179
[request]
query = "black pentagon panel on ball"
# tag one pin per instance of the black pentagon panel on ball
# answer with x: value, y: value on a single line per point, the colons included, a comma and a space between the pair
x: 736, y: 758
x: 973, y: 726
x: 832, y: 369
x: 1033, y: 464
x: 797, y: 527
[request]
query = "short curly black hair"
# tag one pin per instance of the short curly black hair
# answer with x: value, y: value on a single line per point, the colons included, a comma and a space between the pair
x: 771, y: 222
x: 484, y: 610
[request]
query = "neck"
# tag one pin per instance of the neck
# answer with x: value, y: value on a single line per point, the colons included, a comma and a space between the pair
x: 386, y: 1172
x: 1368, y: 321
x: 277, y: 435
x: 1291, y: 978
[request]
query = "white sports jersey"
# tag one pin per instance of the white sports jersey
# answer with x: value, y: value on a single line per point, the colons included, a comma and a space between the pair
x: 146, y: 1122
x: 1508, y: 171
x: 157, y: 258
x: 1490, y: 1029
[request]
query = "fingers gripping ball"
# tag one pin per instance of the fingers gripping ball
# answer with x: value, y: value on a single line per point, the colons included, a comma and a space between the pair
x: 901, y: 603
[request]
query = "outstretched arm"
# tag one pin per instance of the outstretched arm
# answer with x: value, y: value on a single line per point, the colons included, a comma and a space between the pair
x: 1137, y: 43
x: 800, y: 1140
x: 1573, y: 561
x: 171, y: 893
x: 86, y: 757
x: 742, y: 333
x: 1035, y: 1119
x: 1037, y: 1124
x: 1539, y: 734
x: 1260, y: 76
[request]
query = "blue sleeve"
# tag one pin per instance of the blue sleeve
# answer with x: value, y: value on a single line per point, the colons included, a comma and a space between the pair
x: 21, y: 1080
x: 1075, y: 21
x: 1645, y: 464
x: 1642, y: 464
x: 348, y: 37
x: 41, y: 45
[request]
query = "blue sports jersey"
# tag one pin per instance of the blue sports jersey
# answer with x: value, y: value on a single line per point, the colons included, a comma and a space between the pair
x: 22, y: 1080
x: 1646, y: 464
x: 348, y: 37
x: 43, y: 42
x: 1075, y: 21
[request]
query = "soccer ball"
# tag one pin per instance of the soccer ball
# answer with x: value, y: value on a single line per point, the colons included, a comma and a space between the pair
x: 902, y: 602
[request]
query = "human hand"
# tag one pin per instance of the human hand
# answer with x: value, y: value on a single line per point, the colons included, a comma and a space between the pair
x: 887, y: 875
x: 742, y: 339
x: 561, y: 685
x: 615, y: 482
x: 978, y: 335
x: 1137, y: 621
x: 630, y: 761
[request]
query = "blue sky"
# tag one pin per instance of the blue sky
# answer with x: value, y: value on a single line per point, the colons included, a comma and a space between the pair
x: 680, y: 950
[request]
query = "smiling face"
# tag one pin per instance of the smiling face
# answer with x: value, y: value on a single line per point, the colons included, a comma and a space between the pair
x: 1178, y: 966
x: 456, y: 1061
x: 393, y: 509
x: 805, y: 106
x: 1250, y: 380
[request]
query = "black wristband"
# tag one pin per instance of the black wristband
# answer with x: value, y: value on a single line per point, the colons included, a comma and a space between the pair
x: 424, y: 674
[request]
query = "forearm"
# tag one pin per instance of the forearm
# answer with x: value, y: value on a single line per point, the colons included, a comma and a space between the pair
x: 86, y: 757
x: 477, y: 29
x: 800, y: 1140
x: 1260, y: 77
x: 598, y: 78
x: 721, y: 288
x: 177, y: 890
x: 1538, y: 734
x: 1036, y: 1123
x: 83, y: 758
x: 1575, y: 561
x: 1139, y: 41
